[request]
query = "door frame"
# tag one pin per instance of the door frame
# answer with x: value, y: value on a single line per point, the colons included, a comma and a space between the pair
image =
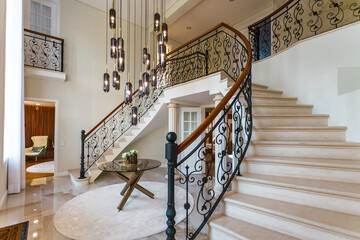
x: 181, y: 121
x: 56, y: 130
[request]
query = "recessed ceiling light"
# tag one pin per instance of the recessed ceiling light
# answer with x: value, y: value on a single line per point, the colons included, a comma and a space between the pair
x: 188, y: 28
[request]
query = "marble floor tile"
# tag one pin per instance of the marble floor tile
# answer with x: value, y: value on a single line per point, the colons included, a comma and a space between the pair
x: 38, y: 203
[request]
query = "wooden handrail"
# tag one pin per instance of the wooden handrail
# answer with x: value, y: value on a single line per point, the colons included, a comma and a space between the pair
x: 43, y: 34
x: 271, y: 14
x: 203, y: 126
x: 103, y: 120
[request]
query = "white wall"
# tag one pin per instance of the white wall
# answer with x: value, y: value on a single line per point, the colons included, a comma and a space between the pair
x: 3, y: 169
x: 82, y: 102
x: 152, y: 146
x: 309, y: 71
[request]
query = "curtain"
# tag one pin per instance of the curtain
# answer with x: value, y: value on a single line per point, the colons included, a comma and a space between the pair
x: 14, y: 139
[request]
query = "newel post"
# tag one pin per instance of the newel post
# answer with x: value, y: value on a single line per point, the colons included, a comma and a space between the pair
x: 82, y: 157
x: 171, y: 152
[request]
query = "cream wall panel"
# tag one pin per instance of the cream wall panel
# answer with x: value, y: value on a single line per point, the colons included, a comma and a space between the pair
x: 82, y: 102
x: 309, y: 71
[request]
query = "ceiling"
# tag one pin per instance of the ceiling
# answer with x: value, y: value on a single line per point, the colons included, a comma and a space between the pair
x: 199, y: 17
x: 101, y: 4
x: 208, y: 13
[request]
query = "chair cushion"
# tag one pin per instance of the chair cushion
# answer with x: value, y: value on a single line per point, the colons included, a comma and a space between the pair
x: 37, y: 149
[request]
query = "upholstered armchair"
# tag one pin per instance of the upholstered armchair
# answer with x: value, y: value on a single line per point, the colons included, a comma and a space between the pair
x: 39, y: 147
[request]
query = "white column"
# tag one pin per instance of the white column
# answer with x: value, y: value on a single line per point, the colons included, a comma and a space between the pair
x: 218, y: 148
x: 173, y: 126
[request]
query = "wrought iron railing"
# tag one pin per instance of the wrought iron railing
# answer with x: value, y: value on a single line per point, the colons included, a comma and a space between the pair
x: 43, y: 51
x: 183, y: 69
x: 114, y: 126
x: 297, y: 20
x: 228, y: 51
x: 104, y: 135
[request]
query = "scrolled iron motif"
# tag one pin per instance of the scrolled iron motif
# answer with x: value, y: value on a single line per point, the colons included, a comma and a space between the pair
x: 43, y: 52
x: 300, y: 19
x: 336, y: 17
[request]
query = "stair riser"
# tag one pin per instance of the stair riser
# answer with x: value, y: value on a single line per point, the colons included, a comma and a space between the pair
x: 94, y: 174
x: 216, y: 234
x: 256, y: 100
x: 309, y: 172
x: 303, y: 197
x: 299, y: 135
x: 281, y: 224
x: 281, y: 110
x: 259, y: 92
x: 274, y: 122
x: 305, y: 151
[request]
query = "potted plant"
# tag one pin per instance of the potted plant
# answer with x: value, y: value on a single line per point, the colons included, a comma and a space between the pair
x: 131, y: 158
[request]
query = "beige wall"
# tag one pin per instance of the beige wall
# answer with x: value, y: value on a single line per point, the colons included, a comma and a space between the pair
x: 152, y: 146
x: 3, y: 171
x: 82, y: 102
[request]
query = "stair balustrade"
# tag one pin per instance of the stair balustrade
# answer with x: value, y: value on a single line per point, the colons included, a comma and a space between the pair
x: 227, y: 51
x: 297, y: 20
x: 43, y: 51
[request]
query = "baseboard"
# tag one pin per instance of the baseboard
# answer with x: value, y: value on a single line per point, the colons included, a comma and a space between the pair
x: 61, y: 174
x: 3, y: 199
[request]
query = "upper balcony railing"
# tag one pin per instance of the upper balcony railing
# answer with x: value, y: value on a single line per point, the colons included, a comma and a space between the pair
x: 297, y: 20
x: 43, y: 51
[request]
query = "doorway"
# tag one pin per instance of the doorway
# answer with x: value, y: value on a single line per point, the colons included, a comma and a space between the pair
x: 39, y: 138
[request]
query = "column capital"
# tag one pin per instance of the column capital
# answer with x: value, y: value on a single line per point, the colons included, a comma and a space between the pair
x: 172, y: 105
x: 218, y: 97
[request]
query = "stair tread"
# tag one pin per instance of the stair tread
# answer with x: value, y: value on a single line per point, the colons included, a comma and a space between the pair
x: 334, y: 221
x: 330, y: 187
x: 295, y: 115
x: 256, y: 85
x: 331, y: 162
x: 318, y: 128
x: 268, y: 90
x: 308, y: 143
x: 283, y: 105
x: 274, y: 97
x: 246, y: 230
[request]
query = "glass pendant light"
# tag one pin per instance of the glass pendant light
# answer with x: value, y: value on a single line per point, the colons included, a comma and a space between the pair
x: 134, y: 116
x: 140, y: 89
x: 153, y: 77
x: 156, y: 21
x: 113, y: 47
x: 116, y: 79
x: 120, y: 44
x: 106, y: 86
x: 146, y: 83
x: 128, y: 91
x: 165, y: 32
x: 162, y: 56
x: 112, y: 17
x: 145, y: 53
x: 147, y: 63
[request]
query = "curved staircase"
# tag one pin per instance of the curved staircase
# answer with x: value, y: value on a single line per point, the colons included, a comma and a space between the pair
x: 300, y: 178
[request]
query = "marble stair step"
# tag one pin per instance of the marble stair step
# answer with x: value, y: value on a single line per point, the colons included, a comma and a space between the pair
x: 311, y: 149
x: 293, y: 219
x: 260, y: 86
x: 255, y: 99
x: 347, y: 171
x: 330, y: 195
x: 228, y: 228
x: 282, y: 109
x: 266, y: 92
x: 268, y: 120
x: 317, y: 133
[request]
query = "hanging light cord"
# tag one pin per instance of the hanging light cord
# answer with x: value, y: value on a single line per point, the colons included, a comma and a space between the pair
x: 128, y: 39
x: 154, y: 40
x: 141, y: 9
x: 120, y: 11
x: 106, y: 37
x: 134, y: 38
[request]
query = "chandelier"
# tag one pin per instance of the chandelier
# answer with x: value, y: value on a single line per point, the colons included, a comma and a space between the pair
x: 148, y: 78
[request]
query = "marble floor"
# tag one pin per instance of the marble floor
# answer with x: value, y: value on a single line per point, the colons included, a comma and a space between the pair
x: 43, y: 197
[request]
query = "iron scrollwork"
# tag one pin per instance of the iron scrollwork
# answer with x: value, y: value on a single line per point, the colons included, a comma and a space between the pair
x: 298, y: 20
x: 43, y: 51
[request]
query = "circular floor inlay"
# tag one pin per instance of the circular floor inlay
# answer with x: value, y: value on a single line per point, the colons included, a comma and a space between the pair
x: 46, y: 167
x: 93, y: 215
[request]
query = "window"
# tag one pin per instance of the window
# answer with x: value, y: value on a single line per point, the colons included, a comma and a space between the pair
x: 42, y: 16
